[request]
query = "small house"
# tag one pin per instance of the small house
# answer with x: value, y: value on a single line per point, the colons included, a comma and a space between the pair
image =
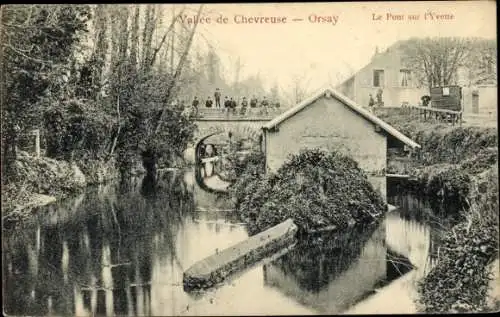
x: 331, y: 121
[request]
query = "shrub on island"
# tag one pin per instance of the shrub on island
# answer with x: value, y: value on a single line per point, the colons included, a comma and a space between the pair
x: 317, y: 189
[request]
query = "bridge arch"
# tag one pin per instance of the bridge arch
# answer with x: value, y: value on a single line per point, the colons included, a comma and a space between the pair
x: 241, y: 131
x: 238, y: 131
x: 248, y: 128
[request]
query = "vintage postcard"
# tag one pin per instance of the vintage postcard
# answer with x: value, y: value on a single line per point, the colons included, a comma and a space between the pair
x: 249, y: 159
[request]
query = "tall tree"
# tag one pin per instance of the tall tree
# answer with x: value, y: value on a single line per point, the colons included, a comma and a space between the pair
x: 299, y: 88
x: 482, y: 63
x: 38, y: 42
x: 238, y: 66
x: 275, y: 93
x: 435, y: 61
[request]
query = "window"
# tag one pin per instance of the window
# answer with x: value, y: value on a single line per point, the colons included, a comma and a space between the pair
x: 405, y: 75
x: 378, y: 78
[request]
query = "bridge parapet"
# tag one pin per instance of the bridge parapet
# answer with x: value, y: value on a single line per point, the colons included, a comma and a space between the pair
x: 222, y: 114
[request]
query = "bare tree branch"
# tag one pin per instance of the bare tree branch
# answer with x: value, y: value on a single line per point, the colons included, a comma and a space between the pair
x: 178, y: 70
x: 170, y: 27
x: 119, y: 128
x: 45, y: 62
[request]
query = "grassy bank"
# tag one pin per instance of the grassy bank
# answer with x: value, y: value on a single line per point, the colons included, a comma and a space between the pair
x: 444, y: 143
x: 457, y: 166
x: 37, y: 181
x: 450, y: 157
x: 460, y: 280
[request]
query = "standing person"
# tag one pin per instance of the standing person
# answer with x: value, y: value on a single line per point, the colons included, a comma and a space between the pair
x: 217, y: 98
x: 209, y: 103
x: 244, y: 105
x: 277, y: 106
x: 233, y: 105
x: 380, y: 102
x: 195, y: 104
x: 371, y: 103
x: 227, y: 104
x: 264, y: 105
x: 253, y: 104
x: 425, y: 100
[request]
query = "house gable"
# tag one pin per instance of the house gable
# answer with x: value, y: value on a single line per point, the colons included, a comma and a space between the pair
x: 328, y: 124
x: 330, y: 93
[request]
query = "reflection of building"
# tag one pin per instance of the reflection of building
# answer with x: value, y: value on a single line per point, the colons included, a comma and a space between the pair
x: 344, y: 276
x: 330, y: 121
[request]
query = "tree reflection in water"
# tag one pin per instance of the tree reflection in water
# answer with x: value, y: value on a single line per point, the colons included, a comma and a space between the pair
x: 94, y: 256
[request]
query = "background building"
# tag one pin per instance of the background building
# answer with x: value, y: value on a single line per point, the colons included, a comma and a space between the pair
x: 388, y: 71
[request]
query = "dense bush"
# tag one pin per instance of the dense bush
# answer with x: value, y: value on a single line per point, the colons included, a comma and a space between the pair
x: 445, y: 183
x: 247, y: 173
x: 47, y: 176
x: 315, y: 188
x: 41, y: 176
x: 442, y: 143
x: 459, y: 282
x: 484, y: 158
x: 98, y: 171
x: 454, y: 145
x: 449, y: 157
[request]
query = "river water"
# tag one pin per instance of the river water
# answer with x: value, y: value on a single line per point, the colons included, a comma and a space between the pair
x: 122, y: 249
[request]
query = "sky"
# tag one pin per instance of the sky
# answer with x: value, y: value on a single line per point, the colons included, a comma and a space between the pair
x: 343, y: 42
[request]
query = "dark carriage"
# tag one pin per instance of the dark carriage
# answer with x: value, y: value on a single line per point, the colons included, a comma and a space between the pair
x: 447, y: 98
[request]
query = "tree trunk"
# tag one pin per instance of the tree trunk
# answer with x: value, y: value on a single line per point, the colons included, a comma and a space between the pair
x: 134, y: 40
x: 101, y: 48
x: 150, y: 162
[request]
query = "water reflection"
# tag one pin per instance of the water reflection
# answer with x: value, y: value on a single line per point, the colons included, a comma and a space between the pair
x: 413, y: 231
x: 93, y: 254
x: 331, y: 272
x: 121, y: 250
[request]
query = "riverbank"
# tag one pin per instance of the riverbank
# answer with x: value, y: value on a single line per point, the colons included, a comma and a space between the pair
x: 456, y: 166
x: 38, y: 181
x: 472, y: 148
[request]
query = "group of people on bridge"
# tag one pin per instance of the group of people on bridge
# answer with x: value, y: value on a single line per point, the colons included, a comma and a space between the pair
x: 242, y: 107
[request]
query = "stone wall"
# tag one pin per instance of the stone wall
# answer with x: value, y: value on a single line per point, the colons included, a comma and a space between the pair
x: 239, y: 128
x: 214, y: 269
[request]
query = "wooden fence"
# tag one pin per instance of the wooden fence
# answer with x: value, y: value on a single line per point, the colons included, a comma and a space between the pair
x: 441, y: 115
x: 30, y: 142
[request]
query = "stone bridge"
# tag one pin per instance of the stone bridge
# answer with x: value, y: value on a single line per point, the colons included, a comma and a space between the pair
x: 216, y: 121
